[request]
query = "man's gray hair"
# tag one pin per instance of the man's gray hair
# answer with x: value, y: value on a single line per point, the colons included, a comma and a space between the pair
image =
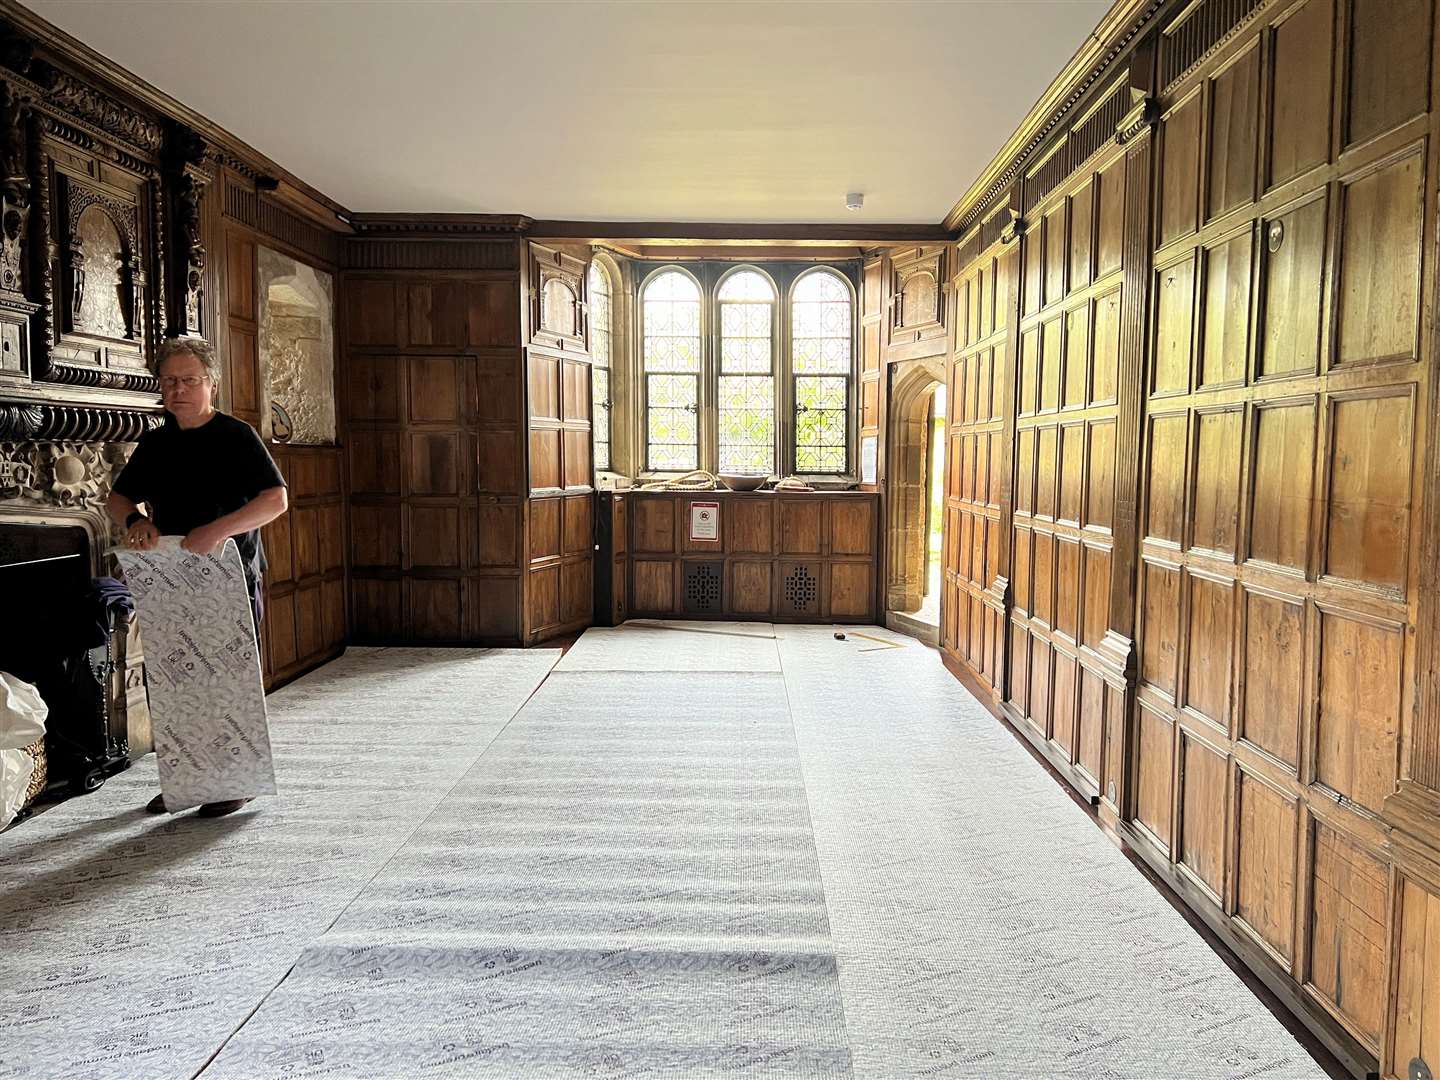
x: 199, y: 348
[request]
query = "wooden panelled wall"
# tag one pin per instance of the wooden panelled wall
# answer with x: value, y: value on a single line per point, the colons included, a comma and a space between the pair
x: 786, y: 557
x: 872, y: 385
x: 433, y: 407
x: 1190, y: 396
x: 305, y: 620
x: 559, y: 588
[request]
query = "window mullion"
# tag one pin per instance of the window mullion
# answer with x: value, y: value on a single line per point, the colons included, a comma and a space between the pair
x: 708, y: 431
x: 784, y: 392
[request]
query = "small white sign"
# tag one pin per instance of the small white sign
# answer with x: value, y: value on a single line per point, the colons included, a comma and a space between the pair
x: 869, y: 455
x: 704, y: 521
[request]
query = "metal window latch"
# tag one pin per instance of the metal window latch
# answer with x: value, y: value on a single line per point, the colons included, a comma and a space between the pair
x: 1418, y: 1070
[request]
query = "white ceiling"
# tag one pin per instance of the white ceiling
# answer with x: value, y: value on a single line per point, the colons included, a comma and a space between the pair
x: 678, y: 111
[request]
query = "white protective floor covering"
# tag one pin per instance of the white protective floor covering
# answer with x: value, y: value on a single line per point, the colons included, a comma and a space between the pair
x: 698, y: 850
x: 132, y: 945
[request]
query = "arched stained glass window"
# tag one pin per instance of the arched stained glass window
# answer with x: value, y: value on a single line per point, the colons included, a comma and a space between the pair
x: 670, y: 312
x: 600, y: 353
x: 747, y: 373
x: 821, y: 344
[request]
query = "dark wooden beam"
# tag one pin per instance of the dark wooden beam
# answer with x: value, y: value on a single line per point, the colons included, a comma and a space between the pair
x: 651, y: 233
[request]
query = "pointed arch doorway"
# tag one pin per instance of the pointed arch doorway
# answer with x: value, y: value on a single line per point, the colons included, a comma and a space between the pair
x: 915, y: 497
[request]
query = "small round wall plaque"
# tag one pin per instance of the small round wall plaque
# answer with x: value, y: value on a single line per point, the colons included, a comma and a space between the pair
x: 281, y: 427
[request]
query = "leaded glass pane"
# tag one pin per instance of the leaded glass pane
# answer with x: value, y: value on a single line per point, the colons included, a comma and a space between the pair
x: 822, y: 343
x: 747, y: 424
x: 672, y: 434
x: 599, y: 286
x: 820, y: 423
x: 671, y: 327
x: 600, y: 423
x: 600, y: 330
x: 747, y: 285
x: 746, y: 392
x: 821, y: 325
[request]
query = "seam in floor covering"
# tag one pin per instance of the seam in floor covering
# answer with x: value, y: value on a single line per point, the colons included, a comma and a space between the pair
x: 379, y: 870
x: 819, y: 865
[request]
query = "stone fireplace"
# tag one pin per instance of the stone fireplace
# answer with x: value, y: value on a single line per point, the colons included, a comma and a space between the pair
x: 61, y: 487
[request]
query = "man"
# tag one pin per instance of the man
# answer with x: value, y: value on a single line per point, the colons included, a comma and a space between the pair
x: 202, y: 475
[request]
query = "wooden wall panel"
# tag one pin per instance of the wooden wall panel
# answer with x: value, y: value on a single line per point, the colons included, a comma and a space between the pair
x: 1417, y: 977
x: 1348, y: 918
x: 1389, y: 64
x: 1265, y: 878
x: 1059, y: 515
x: 305, y: 547
x: 780, y: 556
x: 1299, y: 134
x: 559, y: 576
x: 1207, y: 424
x: 1278, y: 473
x: 975, y: 555
x: 433, y: 415
x: 1204, y: 801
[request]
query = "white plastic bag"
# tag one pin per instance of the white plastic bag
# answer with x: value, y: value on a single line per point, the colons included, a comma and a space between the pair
x: 22, y: 722
x: 16, y: 768
x: 22, y: 713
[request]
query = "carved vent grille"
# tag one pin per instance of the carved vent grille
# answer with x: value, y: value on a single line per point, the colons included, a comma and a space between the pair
x: 702, y: 587
x: 801, y: 591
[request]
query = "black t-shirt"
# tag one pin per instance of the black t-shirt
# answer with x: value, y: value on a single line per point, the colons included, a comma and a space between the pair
x: 191, y: 478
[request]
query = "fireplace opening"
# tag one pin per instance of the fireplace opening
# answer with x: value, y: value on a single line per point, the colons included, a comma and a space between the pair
x: 57, y: 632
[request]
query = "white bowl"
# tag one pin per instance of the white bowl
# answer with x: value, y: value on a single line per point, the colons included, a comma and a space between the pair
x: 740, y: 482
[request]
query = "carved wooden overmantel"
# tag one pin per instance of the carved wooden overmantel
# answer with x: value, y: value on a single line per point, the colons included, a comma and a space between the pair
x: 102, y: 239
x: 916, y: 295
x: 104, y: 189
x: 558, y: 311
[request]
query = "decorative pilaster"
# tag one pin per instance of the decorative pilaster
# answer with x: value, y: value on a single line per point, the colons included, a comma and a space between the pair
x: 1003, y: 596
x: 15, y: 187
x: 186, y: 178
x: 1135, y: 133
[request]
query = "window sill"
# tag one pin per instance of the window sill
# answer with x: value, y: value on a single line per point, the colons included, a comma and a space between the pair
x: 822, y: 482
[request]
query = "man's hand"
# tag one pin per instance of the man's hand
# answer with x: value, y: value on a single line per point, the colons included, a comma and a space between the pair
x: 205, y: 540
x: 142, y: 536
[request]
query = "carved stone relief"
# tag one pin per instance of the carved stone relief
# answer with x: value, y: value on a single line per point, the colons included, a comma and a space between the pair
x: 97, y: 257
x: 297, y: 350
x: 65, y: 474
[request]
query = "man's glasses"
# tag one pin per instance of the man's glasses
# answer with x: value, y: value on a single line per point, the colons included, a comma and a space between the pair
x: 190, y: 382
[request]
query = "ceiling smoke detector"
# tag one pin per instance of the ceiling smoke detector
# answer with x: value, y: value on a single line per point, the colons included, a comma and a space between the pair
x: 855, y: 200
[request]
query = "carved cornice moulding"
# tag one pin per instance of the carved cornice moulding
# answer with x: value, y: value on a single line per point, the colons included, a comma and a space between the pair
x: 437, y: 226
x: 141, y: 382
x: 31, y: 421
x: 70, y: 94
x: 1119, y: 29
